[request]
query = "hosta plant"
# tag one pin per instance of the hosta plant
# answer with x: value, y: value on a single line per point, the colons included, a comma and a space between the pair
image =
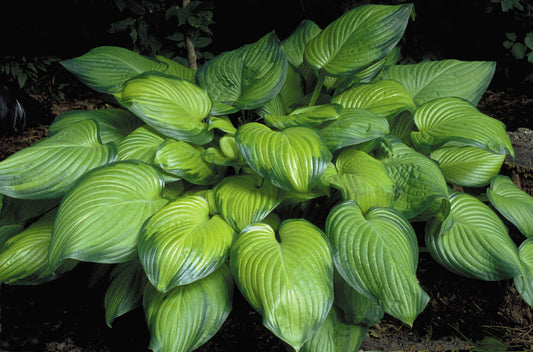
x: 290, y: 170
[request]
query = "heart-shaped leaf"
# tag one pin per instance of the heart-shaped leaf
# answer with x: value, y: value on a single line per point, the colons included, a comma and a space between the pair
x: 477, y: 245
x: 49, y: 168
x: 188, y: 316
x: 377, y: 254
x: 172, y: 106
x: 513, y: 203
x: 290, y: 281
x: 357, y: 39
x: 99, y: 220
x: 246, y: 199
x: 430, y: 80
x: 106, y: 68
x: 292, y: 159
x: 181, y: 243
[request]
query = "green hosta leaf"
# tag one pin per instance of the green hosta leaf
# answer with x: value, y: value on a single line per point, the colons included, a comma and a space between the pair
x: 125, y: 290
x: 354, y: 126
x: 513, y: 203
x: 245, y: 78
x: 141, y: 144
x: 246, y: 199
x: 418, y: 178
x: 49, y: 168
x: 290, y: 95
x: 363, y: 179
x: 188, y: 316
x: 384, y: 98
x: 223, y: 123
x: 18, y: 211
x: 377, y: 254
x: 100, y: 218
x: 184, y: 160
x: 336, y: 336
x: 357, y: 39
x: 427, y: 81
x: 172, y: 106
x: 114, y: 124
x: 468, y: 166
x: 181, y: 243
x: 476, y: 245
x: 290, y: 281
x: 24, y: 257
x: 176, y: 69
x: 524, y: 282
x: 106, y: 68
x: 294, y: 45
x: 456, y: 120
x: 292, y: 159
x: 312, y: 116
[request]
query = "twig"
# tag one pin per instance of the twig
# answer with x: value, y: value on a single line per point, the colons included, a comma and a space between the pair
x: 191, y: 54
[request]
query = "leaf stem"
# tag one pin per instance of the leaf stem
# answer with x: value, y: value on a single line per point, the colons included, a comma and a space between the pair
x: 318, y: 88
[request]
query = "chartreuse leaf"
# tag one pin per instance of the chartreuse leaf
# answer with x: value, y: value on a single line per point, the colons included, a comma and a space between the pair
x: 246, y: 199
x: 513, y: 203
x: 477, y: 245
x: 100, y: 218
x: 352, y: 127
x: 292, y: 159
x: 363, y: 179
x: 141, y: 144
x: 456, y: 120
x: 184, y: 160
x: 125, y: 290
x: 189, y: 315
x: 312, y: 116
x: 106, y: 68
x: 524, y: 282
x: 49, y: 168
x: 245, y: 78
x: 290, y: 281
x: 114, y: 124
x: 418, y: 178
x: 24, y: 257
x: 176, y: 69
x: 357, y: 39
x: 172, y: 106
x: 468, y: 166
x: 181, y: 243
x: 291, y: 94
x: 430, y: 80
x: 384, y: 98
x: 377, y: 254
x: 294, y: 45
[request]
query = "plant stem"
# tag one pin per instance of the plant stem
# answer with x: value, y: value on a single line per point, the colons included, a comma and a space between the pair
x: 191, y: 54
x: 318, y: 88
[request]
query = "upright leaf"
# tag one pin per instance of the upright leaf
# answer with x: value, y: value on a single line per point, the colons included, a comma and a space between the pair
x: 294, y: 45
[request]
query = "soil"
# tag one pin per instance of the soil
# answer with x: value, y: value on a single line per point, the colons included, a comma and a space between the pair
x: 67, y: 315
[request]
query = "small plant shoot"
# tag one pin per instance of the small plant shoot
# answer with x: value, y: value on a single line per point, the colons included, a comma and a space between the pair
x: 291, y: 170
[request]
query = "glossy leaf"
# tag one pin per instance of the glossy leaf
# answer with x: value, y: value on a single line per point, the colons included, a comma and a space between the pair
x: 476, y: 245
x: 176, y: 69
x: 513, y: 203
x: 100, y: 218
x: 357, y: 39
x: 290, y: 281
x: 294, y: 45
x: 291, y: 94
x: 430, y: 80
x: 172, y: 106
x: 181, y: 243
x: 292, y: 159
x: 49, y: 168
x: 188, y: 316
x: 312, y: 116
x: 141, y: 144
x: 377, y: 254
x: 524, y: 282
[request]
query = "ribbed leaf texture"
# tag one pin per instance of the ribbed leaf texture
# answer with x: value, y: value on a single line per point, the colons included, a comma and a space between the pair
x: 524, y: 282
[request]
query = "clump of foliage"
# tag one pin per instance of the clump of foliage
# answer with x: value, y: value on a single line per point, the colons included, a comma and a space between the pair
x: 293, y: 169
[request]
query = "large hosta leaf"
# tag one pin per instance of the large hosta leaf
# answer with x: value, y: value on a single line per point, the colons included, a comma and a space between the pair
x: 513, y: 203
x: 141, y: 144
x: 289, y: 281
x: 49, y: 168
x: 312, y: 116
x: 99, y: 220
x: 245, y: 78
x: 106, y: 68
x: 172, y: 106
x: 181, y: 243
x: 456, y: 120
x: 430, y: 80
x: 357, y: 39
x: 294, y: 45
x: 188, y: 316
x: 292, y: 159
x: 418, y: 178
x: 246, y: 199
x: 377, y: 254
x: 476, y: 244
x: 524, y: 282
